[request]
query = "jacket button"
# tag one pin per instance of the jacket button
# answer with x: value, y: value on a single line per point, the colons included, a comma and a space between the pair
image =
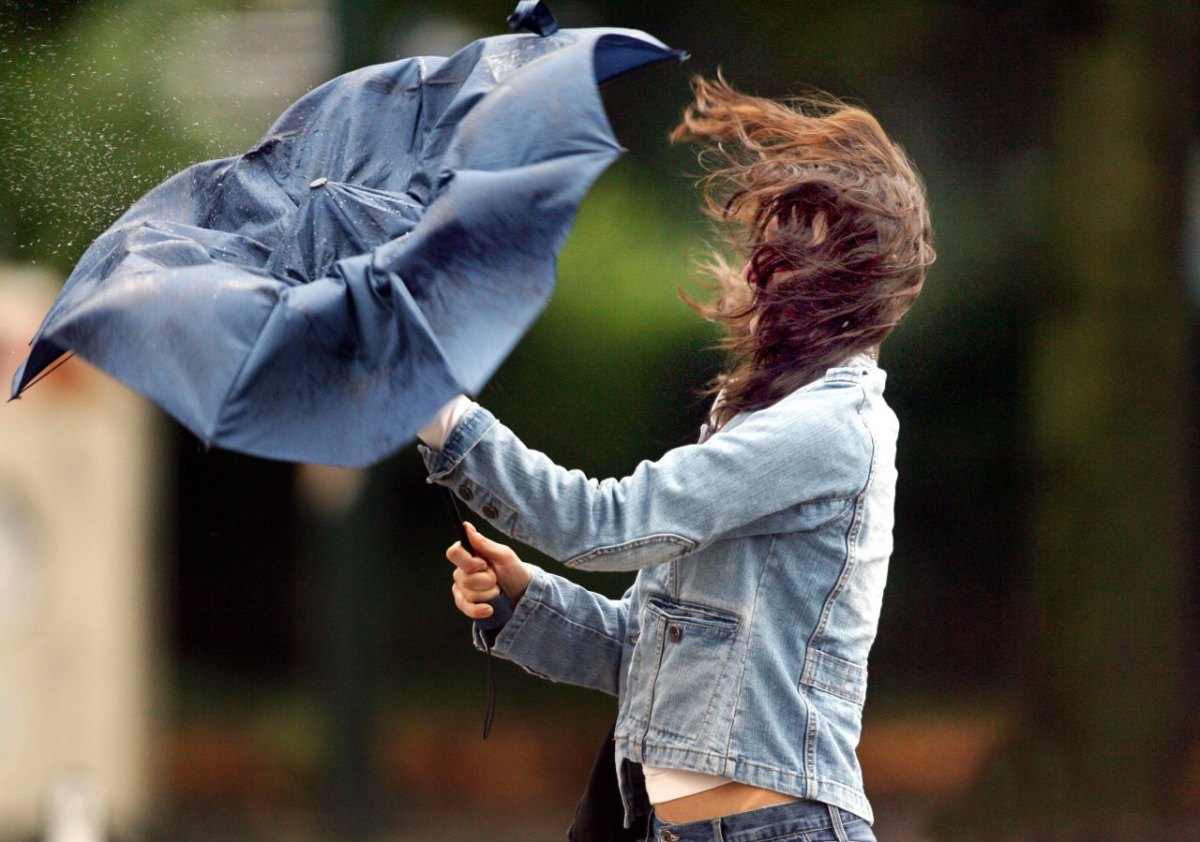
x: 465, y: 491
x: 633, y: 638
x: 675, y: 634
x: 490, y: 512
x: 665, y: 835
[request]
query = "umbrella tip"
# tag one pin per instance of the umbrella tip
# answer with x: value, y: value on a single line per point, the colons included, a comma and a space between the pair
x: 533, y: 15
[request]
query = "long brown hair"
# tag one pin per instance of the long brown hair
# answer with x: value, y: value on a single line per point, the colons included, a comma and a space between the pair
x: 828, y: 219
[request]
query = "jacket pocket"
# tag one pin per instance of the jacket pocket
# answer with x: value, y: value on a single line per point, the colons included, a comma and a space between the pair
x: 834, y: 691
x: 681, y: 692
x: 839, y: 677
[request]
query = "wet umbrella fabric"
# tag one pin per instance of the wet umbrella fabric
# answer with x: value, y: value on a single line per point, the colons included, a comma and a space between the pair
x: 381, y: 250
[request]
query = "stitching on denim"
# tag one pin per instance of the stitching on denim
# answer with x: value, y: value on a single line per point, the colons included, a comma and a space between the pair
x: 699, y: 751
x: 848, y: 504
x: 803, y: 785
x: 629, y: 710
x: 538, y: 604
x: 751, y: 614
x: 806, y: 829
x: 851, y: 534
x: 850, y: 792
x: 788, y: 775
x: 839, y: 586
x: 796, y: 835
x: 810, y: 744
x: 565, y: 620
x: 505, y: 504
x: 694, y: 613
x: 853, y: 672
x: 607, y: 641
x: 662, y: 538
x: 808, y: 834
x: 654, y: 683
x: 514, y: 625
x: 836, y: 819
x: 720, y: 682
x: 453, y: 454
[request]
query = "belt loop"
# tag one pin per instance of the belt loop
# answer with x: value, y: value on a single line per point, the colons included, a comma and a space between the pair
x: 839, y: 831
x: 718, y: 835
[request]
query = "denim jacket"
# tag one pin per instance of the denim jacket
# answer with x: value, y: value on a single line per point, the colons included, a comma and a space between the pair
x: 762, y: 552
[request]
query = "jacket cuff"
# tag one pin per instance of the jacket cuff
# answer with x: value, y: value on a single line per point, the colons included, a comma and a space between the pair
x: 500, y: 640
x: 440, y: 426
x: 465, y: 435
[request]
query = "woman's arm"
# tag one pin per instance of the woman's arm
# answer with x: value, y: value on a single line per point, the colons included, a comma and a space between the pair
x: 811, y: 446
x: 559, y: 630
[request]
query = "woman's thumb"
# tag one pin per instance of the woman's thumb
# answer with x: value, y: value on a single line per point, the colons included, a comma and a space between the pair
x: 496, y: 554
x: 513, y: 576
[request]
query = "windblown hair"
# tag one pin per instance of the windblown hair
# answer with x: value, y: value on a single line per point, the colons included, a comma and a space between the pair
x: 828, y: 219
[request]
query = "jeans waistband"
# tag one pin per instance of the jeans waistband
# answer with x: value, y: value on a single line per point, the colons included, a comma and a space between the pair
x: 782, y: 821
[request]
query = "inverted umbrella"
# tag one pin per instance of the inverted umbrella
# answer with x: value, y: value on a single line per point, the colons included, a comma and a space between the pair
x: 380, y: 250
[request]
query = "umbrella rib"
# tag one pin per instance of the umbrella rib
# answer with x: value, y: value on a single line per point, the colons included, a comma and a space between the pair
x: 66, y: 358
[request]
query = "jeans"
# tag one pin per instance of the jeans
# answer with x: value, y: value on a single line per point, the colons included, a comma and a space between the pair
x: 796, y: 821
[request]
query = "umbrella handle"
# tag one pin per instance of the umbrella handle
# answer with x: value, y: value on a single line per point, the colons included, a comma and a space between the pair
x: 501, y: 609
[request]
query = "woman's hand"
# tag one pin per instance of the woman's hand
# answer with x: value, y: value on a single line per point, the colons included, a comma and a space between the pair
x: 479, y: 578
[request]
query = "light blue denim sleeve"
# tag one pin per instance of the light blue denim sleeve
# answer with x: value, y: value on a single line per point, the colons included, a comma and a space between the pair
x: 563, y: 632
x: 810, y: 446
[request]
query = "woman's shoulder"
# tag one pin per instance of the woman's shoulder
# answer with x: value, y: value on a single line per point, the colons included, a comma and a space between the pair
x: 835, y: 415
x: 843, y: 390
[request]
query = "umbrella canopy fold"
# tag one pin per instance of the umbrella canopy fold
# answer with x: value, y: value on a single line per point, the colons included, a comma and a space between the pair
x: 380, y: 250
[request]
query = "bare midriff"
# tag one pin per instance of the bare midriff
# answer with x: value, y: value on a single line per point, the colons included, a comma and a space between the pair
x: 724, y: 800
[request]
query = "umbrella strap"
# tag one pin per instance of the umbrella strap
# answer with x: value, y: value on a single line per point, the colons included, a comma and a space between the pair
x: 489, y: 636
x: 489, y: 712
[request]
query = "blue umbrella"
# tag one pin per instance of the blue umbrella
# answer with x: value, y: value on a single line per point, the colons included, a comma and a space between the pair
x: 380, y: 250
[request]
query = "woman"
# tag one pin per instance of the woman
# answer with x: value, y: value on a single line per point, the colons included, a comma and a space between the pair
x: 739, y: 656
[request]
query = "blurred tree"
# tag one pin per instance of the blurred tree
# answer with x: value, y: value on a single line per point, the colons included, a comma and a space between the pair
x: 1112, y: 378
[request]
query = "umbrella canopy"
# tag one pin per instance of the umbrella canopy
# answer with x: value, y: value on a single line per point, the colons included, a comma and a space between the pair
x: 379, y: 251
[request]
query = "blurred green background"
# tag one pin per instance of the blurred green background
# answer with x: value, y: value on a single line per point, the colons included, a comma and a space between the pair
x: 1036, y: 667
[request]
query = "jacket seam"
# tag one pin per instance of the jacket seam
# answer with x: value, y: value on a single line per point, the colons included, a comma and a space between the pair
x: 833, y: 498
x: 652, y: 689
x: 852, y: 533
x: 810, y: 744
x: 615, y: 549
x: 752, y: 614
x: 812, y: 773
